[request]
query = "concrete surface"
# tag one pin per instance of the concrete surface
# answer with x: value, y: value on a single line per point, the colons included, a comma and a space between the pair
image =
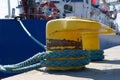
x: 108, y: 69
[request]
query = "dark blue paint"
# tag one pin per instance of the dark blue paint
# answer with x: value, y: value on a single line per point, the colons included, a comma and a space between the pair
x: 15, y: 45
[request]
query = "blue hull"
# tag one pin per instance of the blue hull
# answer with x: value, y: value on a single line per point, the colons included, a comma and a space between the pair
x: 15, y: 44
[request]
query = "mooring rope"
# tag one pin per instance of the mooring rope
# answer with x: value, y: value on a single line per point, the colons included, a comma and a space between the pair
x: 96, y: 55
x: 58, y: 58
x: 28, y: 33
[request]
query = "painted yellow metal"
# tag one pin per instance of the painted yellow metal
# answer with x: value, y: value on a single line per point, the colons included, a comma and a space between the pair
x: 77, y: 24
x: 66, y: 68
x: 74, y: 33
x: 90, y: 41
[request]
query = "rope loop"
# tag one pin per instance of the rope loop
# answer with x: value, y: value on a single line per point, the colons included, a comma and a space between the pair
x: 96, y: 55
x: 57, y: 58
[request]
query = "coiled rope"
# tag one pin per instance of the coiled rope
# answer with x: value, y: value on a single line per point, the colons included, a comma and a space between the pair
x: 58, y: 58
x: 96, y: 55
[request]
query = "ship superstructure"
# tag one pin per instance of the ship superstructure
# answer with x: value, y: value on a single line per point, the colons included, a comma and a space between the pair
x: 105, y: 11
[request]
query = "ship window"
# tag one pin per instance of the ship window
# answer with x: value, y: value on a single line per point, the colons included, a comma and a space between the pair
x: 68, y: 8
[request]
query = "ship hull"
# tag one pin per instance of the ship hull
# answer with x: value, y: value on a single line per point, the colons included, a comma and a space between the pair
x: 15, y: 44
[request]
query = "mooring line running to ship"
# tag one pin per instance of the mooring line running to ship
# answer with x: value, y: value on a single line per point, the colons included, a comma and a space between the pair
x: 66, y: 54
x: 56, y: 58
x: 29, y: 34
x: 62, y: 53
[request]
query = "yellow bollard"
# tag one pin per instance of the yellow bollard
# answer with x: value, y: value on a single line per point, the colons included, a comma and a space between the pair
x: 74, y: 33
x: 90, y: 41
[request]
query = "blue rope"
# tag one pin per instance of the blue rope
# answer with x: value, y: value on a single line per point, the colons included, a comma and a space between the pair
x: 52, y: 54
x: 81, y: 57
x: 36, y: 58
x: 46, y: 59
x: 97, y: 58
x: 96, y: 55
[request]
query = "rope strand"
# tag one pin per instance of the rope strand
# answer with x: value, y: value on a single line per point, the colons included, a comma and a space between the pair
x: 28, y: 33
x: 58, y: 58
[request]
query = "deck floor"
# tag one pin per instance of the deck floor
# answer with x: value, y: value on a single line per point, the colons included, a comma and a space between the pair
x: 108, y: 69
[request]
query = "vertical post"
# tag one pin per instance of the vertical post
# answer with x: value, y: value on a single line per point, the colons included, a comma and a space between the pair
x: 9, y: 9
x: 85, y: 8
x: 81, y: 10
x: 74, y: 9
x: 89, y: 8
x: 84, y: 11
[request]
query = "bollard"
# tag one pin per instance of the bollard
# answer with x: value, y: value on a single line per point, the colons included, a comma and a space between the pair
x: 74, y: 34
